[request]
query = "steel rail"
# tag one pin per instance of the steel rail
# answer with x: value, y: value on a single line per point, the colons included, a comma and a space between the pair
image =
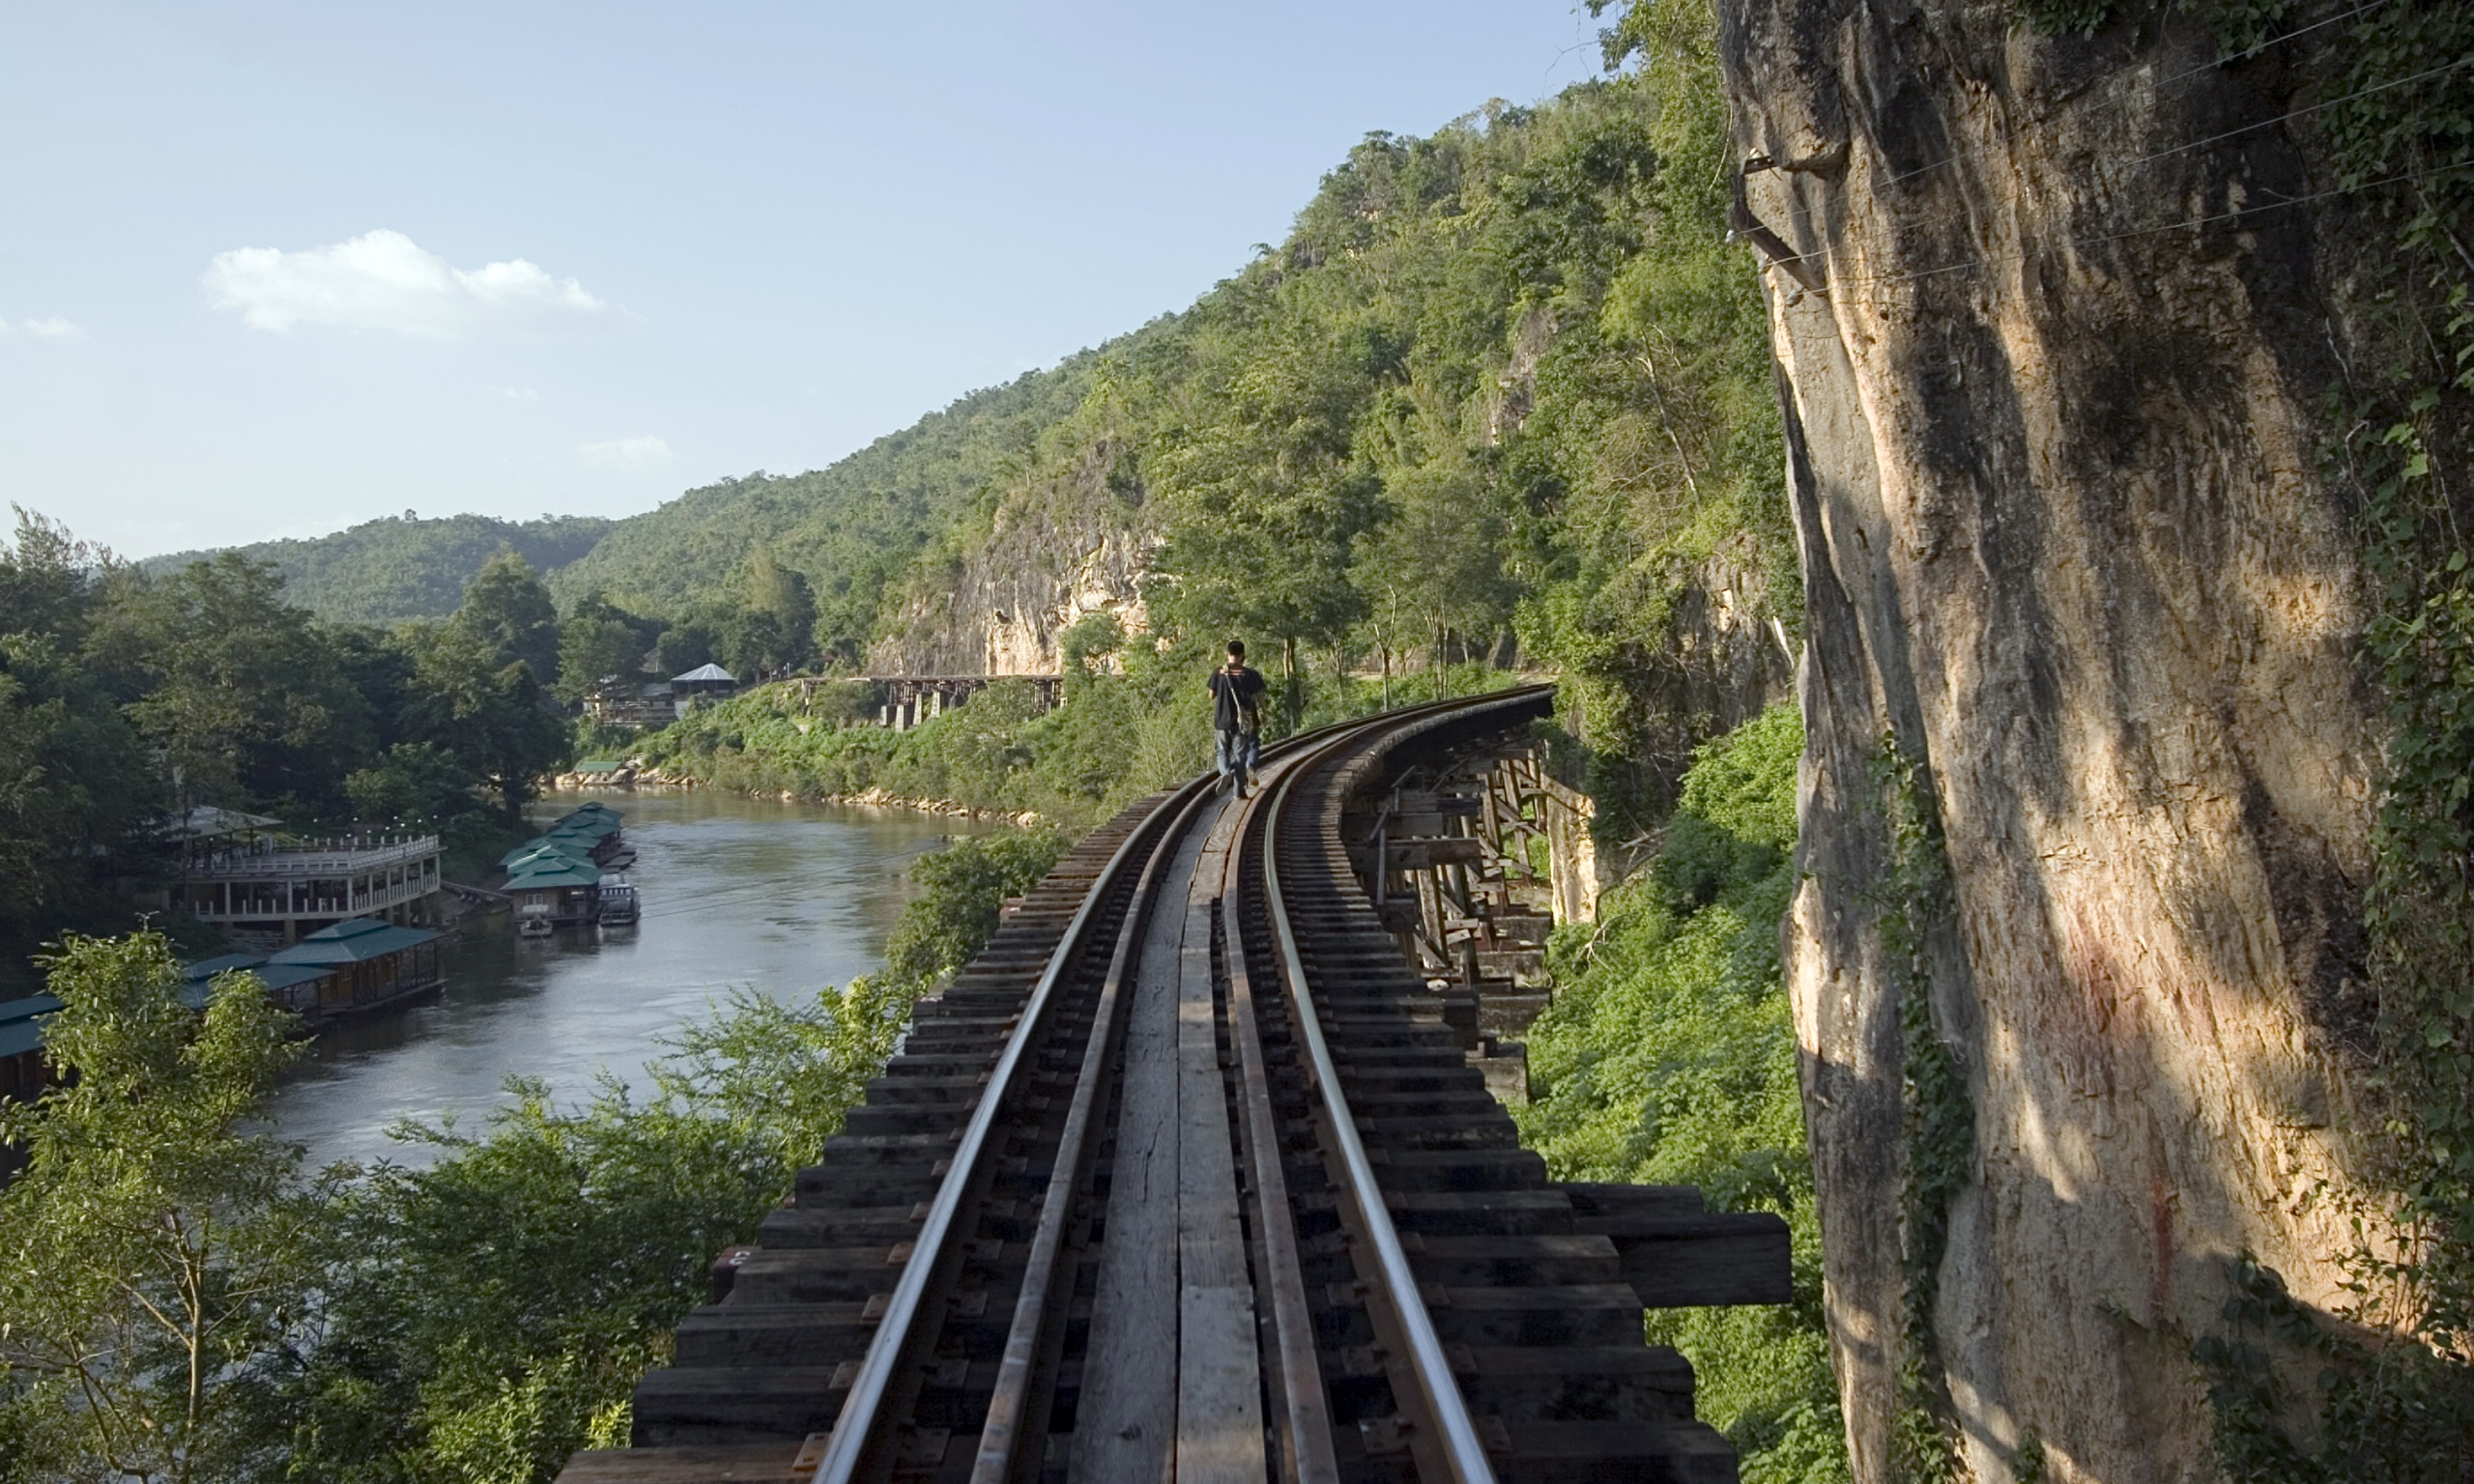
x: 1003, y: 1433
x: 1306, y: 1408
x: 856, y: 1427
x: 1305, y: 1404
x: 1454, y: 1443
x: 855, y: 1442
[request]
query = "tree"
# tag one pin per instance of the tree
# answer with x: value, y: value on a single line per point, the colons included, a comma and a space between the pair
x: 508, y: 613
x: 48, y: 580
x: 601, y: 643
x: 76, y: 791
x: 784, y: 594
x: 238, y: 690
x: 154, y: 1253
x: 752, y: 644
x: 1266, y: 499
x: 1434, y: 569
x: 684, y: 646
x: 416, y: 786
x: 489, y: 713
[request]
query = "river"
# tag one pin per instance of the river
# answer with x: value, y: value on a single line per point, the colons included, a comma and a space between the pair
x: 738, y: 893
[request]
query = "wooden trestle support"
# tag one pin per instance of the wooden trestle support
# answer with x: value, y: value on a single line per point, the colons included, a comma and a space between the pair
x: 1482, y: 854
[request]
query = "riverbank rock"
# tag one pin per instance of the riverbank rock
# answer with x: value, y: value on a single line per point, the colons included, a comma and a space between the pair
x: 866, y: 798
x: 2053, y: 464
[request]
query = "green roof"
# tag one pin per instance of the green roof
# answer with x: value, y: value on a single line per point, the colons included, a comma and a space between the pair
x: 207, y: 968
x: 353, y: 940
x: 18, y: 1030
x: 279, y: 977
x: 14, y: 1011
x: 563, y: 849
x: 543, y: 874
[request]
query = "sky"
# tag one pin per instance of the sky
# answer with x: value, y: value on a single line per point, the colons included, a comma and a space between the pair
x: 274, y: 268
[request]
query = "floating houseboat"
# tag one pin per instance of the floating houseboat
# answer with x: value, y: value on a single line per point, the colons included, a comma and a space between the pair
x: 617, y: 902
x: 556, y: 879
x: 361, y: 963
x: 358, y: 964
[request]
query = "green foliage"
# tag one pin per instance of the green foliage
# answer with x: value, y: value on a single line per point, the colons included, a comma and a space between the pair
x: 76, y: 787
x: 850, y: 529
x: 489, y: 1313
x: 1118, y: 737
x: 973, y: 879
x: 153, y: 1253
x: 601, y: 645
x: 1668, y: 1057
x: 181, y: 1305
x: 777, y: 626
x: 414, y: 787
x: 395, y: 568
x: 234, y: 686
x: 507, y: 614
x: 684, y: 646
x: 2394, y: 1412
x: 1913, y: 904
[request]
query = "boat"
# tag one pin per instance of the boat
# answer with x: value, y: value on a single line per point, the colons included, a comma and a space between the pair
x: 532, y: 922
x: 616, y: 896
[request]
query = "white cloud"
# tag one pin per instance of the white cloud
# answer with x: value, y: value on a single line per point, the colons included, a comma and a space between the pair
x: 623, y: 453
x: 52, y: 328
x: 517, y: 393
x: 384, y: 280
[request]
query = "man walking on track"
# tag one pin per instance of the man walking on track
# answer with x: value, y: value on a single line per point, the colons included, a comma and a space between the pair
x: 1236, y: 717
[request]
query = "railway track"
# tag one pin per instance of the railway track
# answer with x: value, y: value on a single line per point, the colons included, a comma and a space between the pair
x: 1190, y: 1175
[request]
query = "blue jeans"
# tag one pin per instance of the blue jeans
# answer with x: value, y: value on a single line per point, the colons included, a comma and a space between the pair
x: 1237, y: 752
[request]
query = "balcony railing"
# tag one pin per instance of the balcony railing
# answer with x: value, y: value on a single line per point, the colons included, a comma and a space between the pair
x: 313, y: 906
x: 312, y: 862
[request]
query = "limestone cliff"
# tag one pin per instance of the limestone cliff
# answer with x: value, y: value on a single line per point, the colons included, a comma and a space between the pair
x: 2050, y: 391
x: 1057, y: 549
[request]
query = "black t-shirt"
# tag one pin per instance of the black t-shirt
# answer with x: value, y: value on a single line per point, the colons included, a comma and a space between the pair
x: 1232, y: 694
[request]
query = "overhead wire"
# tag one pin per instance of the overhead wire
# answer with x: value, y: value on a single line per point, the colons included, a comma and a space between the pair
x: 2101, y: 239
x: 2307, y: 109
x: 2098, y: 239
x: 1804, y: 213
x: 2071, y: 104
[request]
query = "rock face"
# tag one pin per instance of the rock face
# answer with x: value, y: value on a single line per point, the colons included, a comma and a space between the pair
x: 1055, y: 551
x: 2052, y: 461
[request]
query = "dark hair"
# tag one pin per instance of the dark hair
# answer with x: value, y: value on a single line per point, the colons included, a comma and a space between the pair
x: 1236, y: 648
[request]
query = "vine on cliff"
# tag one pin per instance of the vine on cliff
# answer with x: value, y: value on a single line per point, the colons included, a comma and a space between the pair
x: 1939, y: 1122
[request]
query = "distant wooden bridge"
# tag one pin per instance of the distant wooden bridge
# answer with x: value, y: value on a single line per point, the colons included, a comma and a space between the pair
x: 907, y: 700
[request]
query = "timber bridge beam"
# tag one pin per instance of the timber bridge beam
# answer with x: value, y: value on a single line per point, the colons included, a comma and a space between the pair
x: 904, y: 702
x: 1196, y: 1172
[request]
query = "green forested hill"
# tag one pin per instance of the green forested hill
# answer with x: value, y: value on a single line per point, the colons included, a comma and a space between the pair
x: 402, y: 567
x: 850, y: 529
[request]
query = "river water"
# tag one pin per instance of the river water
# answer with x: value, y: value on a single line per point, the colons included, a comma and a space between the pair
x: 783, y: 898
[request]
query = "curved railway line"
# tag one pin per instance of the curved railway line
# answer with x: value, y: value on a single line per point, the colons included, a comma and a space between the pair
x: 1193, y: 1175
